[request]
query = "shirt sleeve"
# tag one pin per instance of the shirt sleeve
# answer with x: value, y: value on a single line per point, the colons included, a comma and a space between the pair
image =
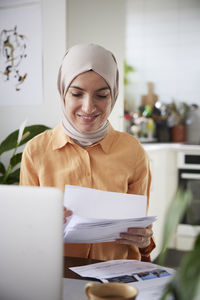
x: 28, y: 173
x: 145, y: 252
x: 141, y: 179
x: 141, y: 186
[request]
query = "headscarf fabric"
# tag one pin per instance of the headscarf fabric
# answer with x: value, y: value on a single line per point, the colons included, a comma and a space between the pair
x: 79, y: 59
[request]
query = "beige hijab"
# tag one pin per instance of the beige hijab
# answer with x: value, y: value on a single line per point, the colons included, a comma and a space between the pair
x: 79, y: 59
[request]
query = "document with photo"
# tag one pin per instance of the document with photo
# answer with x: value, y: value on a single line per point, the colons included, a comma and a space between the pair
x: 149, y: 278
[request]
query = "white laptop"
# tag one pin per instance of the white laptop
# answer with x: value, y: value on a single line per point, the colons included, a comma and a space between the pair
x: 31, y: 243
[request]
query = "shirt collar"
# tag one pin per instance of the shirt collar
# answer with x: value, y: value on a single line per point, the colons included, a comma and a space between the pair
x: 60, y: 139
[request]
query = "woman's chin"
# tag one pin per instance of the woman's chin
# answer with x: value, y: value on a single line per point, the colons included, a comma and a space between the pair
x: 87, y: 129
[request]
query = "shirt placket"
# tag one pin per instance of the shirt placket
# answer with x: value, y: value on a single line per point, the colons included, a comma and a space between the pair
x: 88, y: 171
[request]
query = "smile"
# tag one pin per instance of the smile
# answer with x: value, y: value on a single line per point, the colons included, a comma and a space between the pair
x: 88, y: 118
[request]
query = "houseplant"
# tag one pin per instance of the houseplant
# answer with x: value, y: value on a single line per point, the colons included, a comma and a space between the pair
x: 185, y: 284
x: 127, y: 70
x: 10, y: 174
x: 127, y: 114
x: 177, y: 121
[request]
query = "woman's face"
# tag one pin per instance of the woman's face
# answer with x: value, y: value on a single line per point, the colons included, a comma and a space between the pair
x: 88, y: 102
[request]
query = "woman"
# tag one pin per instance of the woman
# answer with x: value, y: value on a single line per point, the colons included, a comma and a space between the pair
x: 85, y: 150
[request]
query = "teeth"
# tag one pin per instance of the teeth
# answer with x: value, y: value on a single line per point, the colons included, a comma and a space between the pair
x: 88, y: 118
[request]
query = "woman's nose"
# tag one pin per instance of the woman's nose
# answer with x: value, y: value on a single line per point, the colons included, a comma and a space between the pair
x: 88, y: 105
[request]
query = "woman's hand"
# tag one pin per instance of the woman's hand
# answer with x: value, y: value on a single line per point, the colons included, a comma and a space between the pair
x: 67, y: 213
x: 140, y: 237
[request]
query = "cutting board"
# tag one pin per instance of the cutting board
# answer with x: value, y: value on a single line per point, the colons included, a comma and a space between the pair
x: 150, y: 98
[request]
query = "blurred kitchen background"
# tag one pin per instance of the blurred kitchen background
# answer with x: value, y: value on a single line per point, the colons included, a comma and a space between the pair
x: 162, y: 106
x: 157, y: 46
x: 162, y: 46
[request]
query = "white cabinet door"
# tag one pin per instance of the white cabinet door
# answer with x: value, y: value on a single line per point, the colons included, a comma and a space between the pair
x: 163, y: 188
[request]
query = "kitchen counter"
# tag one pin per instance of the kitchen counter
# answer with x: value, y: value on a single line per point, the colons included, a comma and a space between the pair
x: 170, y: 146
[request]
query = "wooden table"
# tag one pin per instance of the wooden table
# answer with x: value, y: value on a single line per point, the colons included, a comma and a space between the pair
x: 75, y: 262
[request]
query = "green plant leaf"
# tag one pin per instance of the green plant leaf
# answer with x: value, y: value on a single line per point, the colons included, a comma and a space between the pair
x: 167, y: 292
x: 127, y: 69
x: 33, y: 130
x: 185, y: 284
x: 16, y: 159
x: 197, y: 242
x: 2, y: 168
x: 125, y: 81
x: 13, y: 177
x: 174, y: 215
x: 189, y: 273
x: 11, y: 141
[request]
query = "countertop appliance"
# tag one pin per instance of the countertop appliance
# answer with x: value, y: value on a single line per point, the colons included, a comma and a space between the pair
x: 193, y: 126
x: 188, y: 162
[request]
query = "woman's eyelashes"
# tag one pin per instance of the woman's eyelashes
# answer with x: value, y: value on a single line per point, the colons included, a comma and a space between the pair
x: 102, y: 96
x: 76, y: 95
x: 98, y: 96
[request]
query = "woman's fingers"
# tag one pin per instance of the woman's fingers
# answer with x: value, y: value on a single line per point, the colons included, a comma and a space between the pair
x: 67, y: 213
x: 140, y: 237
x: 139, y: 241
x: 146, y: 232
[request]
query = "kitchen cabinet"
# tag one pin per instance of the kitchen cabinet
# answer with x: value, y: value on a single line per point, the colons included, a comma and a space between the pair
x: 163, y: 164
x: 164, y: 168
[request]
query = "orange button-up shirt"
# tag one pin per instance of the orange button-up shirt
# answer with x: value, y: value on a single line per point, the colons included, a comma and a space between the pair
x: 117, y: 163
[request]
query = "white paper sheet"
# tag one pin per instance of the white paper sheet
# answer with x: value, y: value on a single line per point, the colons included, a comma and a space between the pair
x: 93, y: 203
x: 100, y: 216
x: 150, y: 279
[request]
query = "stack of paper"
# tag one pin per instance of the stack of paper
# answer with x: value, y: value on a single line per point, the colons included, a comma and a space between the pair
x: 87, y: 230
x: 100, y: 216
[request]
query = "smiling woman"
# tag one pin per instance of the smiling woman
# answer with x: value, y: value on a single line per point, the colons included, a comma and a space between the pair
x: 91, y: 68
x: 88, y: 102
x: 85, y: 150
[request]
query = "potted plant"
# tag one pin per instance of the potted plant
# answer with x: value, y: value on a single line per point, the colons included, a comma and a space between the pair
x: 185, y: 283
x: 10, y: 174
x: 177, y: 121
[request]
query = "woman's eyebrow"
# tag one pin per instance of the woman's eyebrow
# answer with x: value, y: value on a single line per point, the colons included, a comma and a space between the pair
x: 104, y: 88
x: 81, y: 89
x: 76, y: 87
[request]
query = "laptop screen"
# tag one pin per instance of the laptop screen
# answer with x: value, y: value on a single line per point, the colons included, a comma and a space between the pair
x: 31, y: 246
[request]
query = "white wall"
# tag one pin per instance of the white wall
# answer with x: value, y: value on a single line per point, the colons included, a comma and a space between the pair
x: 65, y: 23
x: 101, y: 22
x: 163, y: 45
x: 54, y: 46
